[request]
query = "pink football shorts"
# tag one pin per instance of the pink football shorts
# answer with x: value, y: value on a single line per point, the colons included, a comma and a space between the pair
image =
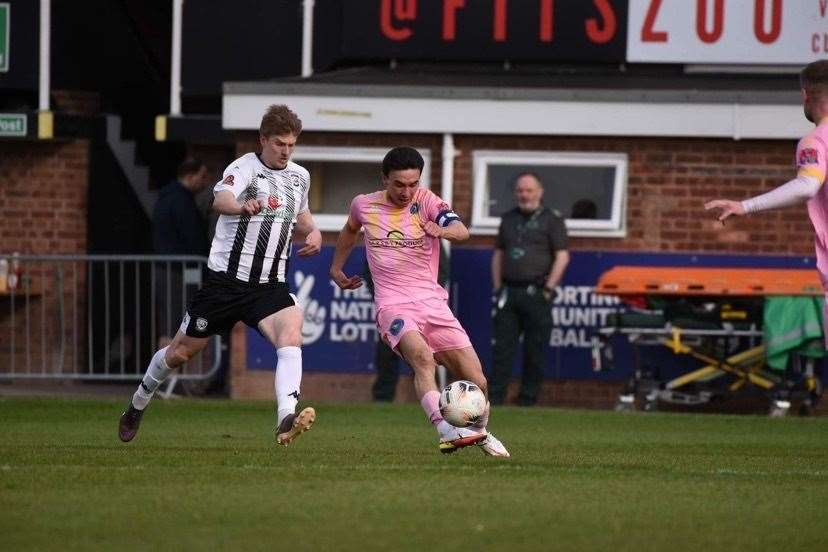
x: 431, y: 317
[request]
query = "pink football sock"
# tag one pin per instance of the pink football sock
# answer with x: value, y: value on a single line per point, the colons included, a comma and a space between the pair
x: 431, y: 404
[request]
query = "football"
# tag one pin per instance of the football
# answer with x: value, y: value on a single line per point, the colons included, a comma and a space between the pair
x: 462, y: 403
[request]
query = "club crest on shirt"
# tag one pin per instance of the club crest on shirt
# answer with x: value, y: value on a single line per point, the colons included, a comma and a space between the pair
x: 295, y: 179
x: 396, y: 326
x: 201, y: 324
x: 808, y: 156
x: 415, y: 208
x: 228, y: 180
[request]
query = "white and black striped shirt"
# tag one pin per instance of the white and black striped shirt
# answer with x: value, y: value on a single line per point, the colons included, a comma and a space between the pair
x: 255, y: 249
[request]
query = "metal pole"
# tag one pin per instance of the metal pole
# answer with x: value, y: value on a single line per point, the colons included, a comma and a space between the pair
x: 447, y: 193
x: 45, y: 40
x: 447, y: 184
x: 175, y: 68
x: 307, y: 38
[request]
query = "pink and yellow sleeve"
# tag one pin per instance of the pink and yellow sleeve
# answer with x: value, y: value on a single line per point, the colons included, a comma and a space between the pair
x: 438, y: 210
x: 811, y: 159
x: 356, y: 207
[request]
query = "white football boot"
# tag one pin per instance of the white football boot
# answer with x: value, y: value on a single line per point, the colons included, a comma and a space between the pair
x: 454, y: 438
x: 492, y: 446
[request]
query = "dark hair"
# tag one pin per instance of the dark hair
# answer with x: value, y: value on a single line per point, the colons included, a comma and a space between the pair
x: 402, y: 158
x: 278, y: 120
x: 527, y: 173
x: 584, y: 209
x: 189, y: 166
x: 814, y: 79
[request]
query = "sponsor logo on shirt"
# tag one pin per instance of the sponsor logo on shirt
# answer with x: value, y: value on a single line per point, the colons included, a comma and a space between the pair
x: 273, y: 202
x: 396, y: 240
x: 808, y: 156
x: 228, y: 180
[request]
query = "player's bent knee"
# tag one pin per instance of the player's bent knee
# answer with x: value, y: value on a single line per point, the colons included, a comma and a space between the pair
x: 289, y: 341
x: 421, y: 361
x: 178, y: 355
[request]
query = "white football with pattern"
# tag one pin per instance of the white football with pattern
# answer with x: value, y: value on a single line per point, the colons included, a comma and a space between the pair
x: 462, y: 403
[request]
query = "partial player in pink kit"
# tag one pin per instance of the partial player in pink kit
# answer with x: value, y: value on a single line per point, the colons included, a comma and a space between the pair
x: 403, y: 225
x: 811, y: 156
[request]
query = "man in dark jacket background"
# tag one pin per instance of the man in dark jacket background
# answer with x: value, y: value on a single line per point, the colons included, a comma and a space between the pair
x: 178, y: 228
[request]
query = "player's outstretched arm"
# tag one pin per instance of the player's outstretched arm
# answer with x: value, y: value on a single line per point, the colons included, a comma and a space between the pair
x: 306, y: 227
x: 802, y: 188
x: 225, y: 203
x: 344, y: 245
x: 726, y: 208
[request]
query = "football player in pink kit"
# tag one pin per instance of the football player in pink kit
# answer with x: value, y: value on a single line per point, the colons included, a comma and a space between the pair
x: 811, y: 154
x: 403, y: 225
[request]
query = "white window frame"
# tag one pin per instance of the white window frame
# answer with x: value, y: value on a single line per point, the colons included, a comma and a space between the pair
x: 334, y: 223
x: 615, y: 227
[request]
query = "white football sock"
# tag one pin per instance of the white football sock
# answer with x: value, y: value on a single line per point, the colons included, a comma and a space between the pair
x: 288, y: 380
x: 155, y: 376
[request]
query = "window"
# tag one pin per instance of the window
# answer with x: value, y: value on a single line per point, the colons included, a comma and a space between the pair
x: 338, y: 174
x: 589, y: 189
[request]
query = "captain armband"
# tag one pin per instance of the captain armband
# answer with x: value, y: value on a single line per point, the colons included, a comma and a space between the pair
x: 446, y: 217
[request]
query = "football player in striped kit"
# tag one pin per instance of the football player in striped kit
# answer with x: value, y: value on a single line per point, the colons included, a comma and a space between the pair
x: 262, y: 201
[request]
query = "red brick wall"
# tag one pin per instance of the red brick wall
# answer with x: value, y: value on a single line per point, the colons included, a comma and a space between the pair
x: 43, y: 202
x: 669, y: 181
x: 43, y: 187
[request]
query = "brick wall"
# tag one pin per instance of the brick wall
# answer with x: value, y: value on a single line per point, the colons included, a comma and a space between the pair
x: 43, y: 201
x: 43, y: 187
x: 669, y: 181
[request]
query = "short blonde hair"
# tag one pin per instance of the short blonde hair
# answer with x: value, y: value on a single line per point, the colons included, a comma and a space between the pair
x: 278, y: 120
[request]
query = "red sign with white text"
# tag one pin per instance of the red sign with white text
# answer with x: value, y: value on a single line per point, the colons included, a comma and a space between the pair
x: 555, y: 30
x: 766, y: 32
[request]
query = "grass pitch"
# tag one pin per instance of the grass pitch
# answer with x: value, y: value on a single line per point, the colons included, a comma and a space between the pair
x: 206, y: 475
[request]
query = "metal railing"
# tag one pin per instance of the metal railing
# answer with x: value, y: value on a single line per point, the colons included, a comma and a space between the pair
x: 96, y: 317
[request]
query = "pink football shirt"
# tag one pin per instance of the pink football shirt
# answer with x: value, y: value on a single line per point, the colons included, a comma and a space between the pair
x: 403, y: 259
x: 811, y: 156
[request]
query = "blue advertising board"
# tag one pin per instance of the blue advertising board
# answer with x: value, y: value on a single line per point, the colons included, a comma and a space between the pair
x: 340, y: 336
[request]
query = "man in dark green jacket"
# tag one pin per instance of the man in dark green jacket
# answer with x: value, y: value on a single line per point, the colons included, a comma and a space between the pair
x: 529, y: 260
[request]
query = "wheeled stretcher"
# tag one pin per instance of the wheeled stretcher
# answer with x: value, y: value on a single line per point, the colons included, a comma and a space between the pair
x: 715, y: 316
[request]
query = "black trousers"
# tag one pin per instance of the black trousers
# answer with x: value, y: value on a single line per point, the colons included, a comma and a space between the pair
x: 520, y: 310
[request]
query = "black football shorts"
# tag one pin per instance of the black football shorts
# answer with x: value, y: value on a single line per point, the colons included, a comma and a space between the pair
x: 224, y: 300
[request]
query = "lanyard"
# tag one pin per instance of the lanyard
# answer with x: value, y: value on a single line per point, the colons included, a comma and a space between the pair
x: 522, y: 227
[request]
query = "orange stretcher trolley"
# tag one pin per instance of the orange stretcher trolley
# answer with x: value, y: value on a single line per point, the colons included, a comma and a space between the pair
x: 756, y: 331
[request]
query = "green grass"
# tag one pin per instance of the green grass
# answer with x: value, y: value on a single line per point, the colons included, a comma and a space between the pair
x: 205, y: 475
